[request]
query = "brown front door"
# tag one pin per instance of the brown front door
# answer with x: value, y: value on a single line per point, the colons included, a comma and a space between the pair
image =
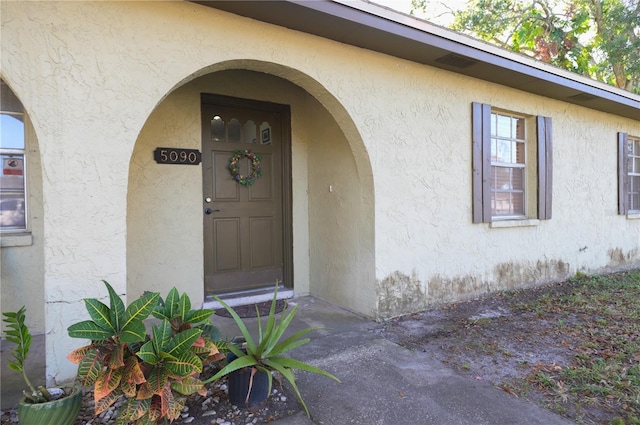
x: 243, y: 223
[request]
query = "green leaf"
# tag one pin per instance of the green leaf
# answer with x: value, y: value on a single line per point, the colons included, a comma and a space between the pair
x: 182, y: 342
x: 133, y: 332
x: 117, y: 308
x: 238, y: 363
x: 290, y: 376
x: 197, y: 316
x: 275, y: 335
x: 100, y: 314
x: 185, y: 365
x: 141, y: 308
x: 20, y: 336
x: 161, y: 335
x: 243, y: 328
x: 171, y: 303
x: 184, y: 306
x: 147, y: 353
x: 90, y: 330
x: 297, y: 364
x: 187, y: 386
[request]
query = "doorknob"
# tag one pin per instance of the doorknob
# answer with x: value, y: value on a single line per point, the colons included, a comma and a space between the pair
x: 209, y: 211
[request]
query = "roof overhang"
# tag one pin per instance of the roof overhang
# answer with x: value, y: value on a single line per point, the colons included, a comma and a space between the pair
x: 377, y: 28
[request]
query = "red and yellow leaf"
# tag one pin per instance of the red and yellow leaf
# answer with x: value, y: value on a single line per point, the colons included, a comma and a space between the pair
x: 144, y: 392
x: 90, y: 367
x: 78, y: 354
x: 104, y: 403
x: 106, y: 383
x: 117, y: 357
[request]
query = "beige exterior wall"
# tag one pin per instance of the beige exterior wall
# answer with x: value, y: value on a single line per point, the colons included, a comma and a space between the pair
x: 105, y: 83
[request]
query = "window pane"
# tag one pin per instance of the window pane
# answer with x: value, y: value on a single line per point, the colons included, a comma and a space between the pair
x: 518, y: 128
x: 217, y: 129
x: 518, y: 151
x: 250, y: 132
x: 12, y: 195
x: 634, y: 193
x: 504, y: 126
x: 11, y: 131
x: 234, y: 131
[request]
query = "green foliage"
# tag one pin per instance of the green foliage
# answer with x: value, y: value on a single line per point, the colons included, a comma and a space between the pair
x: 265, y: 353
x: 605, y: 329
x: 19, y: 334
x: 596, y: 38
x: 156, y: 373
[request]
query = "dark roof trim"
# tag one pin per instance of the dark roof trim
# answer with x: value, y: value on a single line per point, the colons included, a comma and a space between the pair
x: 370, y: 26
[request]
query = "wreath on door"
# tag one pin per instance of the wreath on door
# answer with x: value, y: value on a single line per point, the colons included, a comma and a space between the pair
x: 234, y: 167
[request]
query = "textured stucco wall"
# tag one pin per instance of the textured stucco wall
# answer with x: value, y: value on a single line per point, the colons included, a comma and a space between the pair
x: 104, y: 82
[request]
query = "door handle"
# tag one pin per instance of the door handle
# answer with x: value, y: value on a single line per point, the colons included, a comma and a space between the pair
x: 209, y: 211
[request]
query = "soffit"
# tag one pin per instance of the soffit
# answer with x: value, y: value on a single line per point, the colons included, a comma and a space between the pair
x: 373, y: 27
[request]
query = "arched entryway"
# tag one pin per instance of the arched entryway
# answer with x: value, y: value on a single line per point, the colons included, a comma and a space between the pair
x: 331, y: 243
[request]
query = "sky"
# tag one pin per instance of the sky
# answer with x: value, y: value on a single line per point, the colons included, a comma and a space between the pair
x: 437, y: 10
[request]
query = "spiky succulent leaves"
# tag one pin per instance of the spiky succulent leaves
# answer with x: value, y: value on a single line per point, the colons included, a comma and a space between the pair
x: 286, y: 366
x: 243, y: 328
x: 243, y: 360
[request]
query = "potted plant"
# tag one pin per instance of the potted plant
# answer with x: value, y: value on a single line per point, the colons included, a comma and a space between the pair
x: 156, y: 372
x: 39, y: 406
x: 265, y: 354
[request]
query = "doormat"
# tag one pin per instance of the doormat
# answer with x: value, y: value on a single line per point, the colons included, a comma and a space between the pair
x: 249, y: 310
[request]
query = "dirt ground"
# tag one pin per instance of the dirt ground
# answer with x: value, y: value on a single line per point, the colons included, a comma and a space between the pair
x: 496, y: 339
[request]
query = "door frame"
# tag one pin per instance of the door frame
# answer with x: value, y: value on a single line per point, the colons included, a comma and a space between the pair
x: 287, y: 201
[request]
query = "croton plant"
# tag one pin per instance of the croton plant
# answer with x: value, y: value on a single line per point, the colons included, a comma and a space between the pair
x: 156, y: 372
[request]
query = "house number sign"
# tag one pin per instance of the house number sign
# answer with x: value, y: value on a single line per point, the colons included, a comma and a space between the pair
x: 177, y: 156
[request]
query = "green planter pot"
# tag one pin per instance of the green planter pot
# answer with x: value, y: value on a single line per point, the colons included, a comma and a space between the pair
x: 63, y: 411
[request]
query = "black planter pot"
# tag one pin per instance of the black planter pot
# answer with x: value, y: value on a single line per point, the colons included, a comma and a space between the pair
x: 239, y: 386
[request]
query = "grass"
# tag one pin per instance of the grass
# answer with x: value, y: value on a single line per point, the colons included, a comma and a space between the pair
x: 601, y: 316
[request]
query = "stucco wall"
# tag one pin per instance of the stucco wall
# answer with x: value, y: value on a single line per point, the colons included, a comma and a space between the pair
x: 104, y: 82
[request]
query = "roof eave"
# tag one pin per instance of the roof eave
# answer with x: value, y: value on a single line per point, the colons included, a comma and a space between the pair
x: 374, y: 27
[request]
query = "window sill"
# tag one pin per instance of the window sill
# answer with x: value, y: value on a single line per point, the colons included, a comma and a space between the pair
x: 633, y: 215
x: 527, y: 222
x: 16, y: 239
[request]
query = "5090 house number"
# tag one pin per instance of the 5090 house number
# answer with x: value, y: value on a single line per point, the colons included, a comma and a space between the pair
x: 177, y: 156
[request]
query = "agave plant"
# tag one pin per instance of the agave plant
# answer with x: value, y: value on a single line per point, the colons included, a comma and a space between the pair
x: 266, y: 353
x: 155, y: 373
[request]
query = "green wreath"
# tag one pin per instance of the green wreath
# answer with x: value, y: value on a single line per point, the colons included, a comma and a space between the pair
x: 234, y: 167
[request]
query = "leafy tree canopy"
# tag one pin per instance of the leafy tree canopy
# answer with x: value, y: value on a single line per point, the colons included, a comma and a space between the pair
x: 595, y: 38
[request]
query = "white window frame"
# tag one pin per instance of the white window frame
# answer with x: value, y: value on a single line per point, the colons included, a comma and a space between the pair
x: 11, y: 106
x: 524, y: 167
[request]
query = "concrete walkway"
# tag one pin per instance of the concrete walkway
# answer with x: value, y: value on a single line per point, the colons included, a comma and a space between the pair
x: 382, y: 383
x: 386, y: 384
